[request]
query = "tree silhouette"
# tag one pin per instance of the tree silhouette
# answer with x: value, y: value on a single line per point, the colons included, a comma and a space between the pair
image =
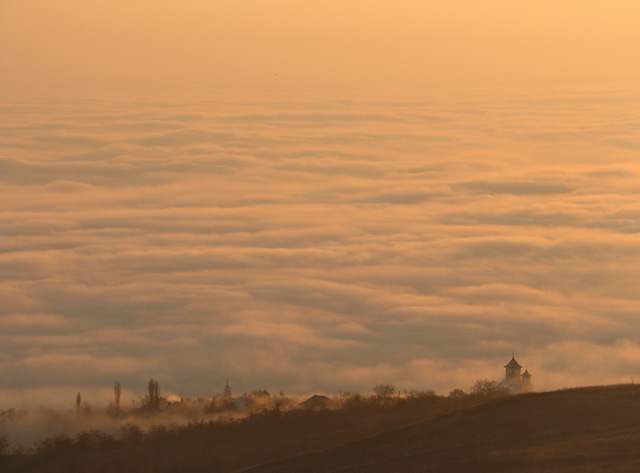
x: 116, y: 392
x: 153, y: 396
x: 227, y: 396
x: 384, y: 391
x: 78, y: 402
x: 4, y: 444
x: 488, y: 388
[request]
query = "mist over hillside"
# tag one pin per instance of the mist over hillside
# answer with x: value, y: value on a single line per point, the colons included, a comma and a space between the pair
x: 582, y: 429
x: 217, y: 430
x: 25, y: 428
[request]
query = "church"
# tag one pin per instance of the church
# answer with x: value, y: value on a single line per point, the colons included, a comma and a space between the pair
x: 514, y: 379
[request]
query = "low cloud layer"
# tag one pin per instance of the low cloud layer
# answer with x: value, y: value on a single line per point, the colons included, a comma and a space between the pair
x: 316, y: 247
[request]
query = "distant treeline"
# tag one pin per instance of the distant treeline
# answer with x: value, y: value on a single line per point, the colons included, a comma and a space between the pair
x: 282, y: 428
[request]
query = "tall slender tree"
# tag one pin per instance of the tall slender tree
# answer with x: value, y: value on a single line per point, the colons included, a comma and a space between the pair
x: 153, y: 388
x: 226, y: 392
x: 78, y: 402
x: 116, y: 392
x: 156, y: 391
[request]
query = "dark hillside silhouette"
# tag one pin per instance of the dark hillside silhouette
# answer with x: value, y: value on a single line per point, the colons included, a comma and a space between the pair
x: 576, y: 430
x: 579, y: 430
x: 226, y: 445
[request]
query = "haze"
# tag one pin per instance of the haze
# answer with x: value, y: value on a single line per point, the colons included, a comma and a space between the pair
x: 314, y: 196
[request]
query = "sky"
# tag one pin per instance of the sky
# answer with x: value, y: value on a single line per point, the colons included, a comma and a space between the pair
x: 316, y: 196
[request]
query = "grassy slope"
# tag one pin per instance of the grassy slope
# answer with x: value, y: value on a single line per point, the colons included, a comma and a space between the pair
x: 578, y: 430
x: 225, y: 447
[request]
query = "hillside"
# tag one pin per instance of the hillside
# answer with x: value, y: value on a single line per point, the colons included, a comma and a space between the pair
x: 224, y: 445
x: 574, y: 430
x: 579, y: 430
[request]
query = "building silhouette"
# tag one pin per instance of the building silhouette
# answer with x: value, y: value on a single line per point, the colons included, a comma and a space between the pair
x: 514, y: 378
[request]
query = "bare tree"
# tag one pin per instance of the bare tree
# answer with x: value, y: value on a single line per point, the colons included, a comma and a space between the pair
x: 116, y: 392
x: 488, y: 388
x: 384, y: 391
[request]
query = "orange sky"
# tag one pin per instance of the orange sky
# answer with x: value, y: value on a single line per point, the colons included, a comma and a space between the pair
x: 316, y: 196
x: 315, y: 46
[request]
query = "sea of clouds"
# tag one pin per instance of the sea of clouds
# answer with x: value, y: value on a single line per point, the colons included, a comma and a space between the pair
x: 317, y: 246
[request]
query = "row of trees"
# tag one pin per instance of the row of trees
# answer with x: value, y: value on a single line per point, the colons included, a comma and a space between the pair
x: 484, y: 388
x: 271, y: 430
x: 150, y: 401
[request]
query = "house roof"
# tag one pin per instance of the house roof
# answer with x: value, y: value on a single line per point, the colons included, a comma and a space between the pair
x: 513, y: 363
x: 315, y: 401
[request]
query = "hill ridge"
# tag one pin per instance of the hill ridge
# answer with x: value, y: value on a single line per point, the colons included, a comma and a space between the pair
x: 560, y: 424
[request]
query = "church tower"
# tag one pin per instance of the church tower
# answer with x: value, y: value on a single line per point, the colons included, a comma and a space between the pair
x: 526, y: 381
x: 515, y: 379
x: 513, y: 372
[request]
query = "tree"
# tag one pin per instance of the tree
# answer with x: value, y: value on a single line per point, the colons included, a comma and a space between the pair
x: 226, y: 392
x: 4, y: 444
x: 78, y: 402
x: 150, y: 392
x: 488, y: 388
x: 156, y: 394
x: 116, y: 392
x: 384, y: 391
x: 227, y: 396
x: 153, y: 394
